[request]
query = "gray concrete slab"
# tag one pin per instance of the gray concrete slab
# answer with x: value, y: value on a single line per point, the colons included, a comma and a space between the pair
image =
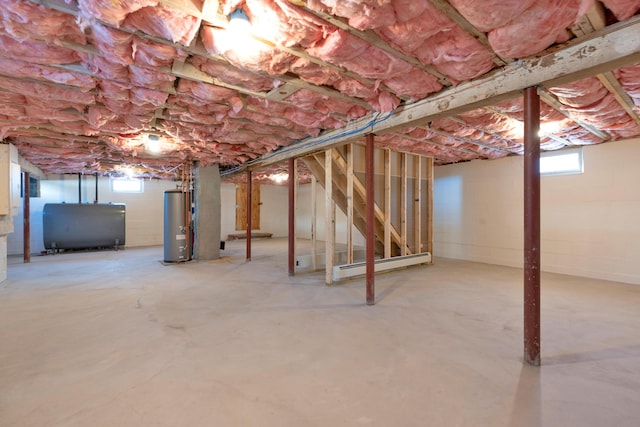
x: 118, y: 339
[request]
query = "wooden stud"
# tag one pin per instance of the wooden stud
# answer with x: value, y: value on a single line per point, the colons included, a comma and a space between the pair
x: 314, y: 225
x: 429, y: 205
x: 403, y: 204
x: 417, y: 205
x: 387, y: 203
x: 330, y: 212
x: 349, y: 149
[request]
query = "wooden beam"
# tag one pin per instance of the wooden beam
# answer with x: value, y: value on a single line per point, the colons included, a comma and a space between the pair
x: 615, y: 46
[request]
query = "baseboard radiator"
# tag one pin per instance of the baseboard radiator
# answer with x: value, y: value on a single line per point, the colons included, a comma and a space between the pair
x: 341, y: 272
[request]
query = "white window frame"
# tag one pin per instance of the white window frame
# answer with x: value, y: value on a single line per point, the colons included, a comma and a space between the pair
x: 114, y: 184
x: 563, y: 171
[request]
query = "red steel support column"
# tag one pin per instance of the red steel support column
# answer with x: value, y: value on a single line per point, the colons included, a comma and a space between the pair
x: 531, y: 226
x: 370, y: 238
x: 292, y: 217
x: 249, y: 215
x: 26, y: 215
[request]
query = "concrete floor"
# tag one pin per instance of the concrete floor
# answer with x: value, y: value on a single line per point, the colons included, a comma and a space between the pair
x: 118, y: 339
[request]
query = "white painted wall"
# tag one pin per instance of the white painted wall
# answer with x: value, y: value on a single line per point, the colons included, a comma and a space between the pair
x: 144, y: 213
x: 590, y: 222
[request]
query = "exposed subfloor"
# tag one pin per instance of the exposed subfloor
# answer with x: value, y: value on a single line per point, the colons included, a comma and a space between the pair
x: 118, y: 339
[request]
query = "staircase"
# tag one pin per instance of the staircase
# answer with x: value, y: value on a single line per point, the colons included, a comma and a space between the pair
x: 340, y: 171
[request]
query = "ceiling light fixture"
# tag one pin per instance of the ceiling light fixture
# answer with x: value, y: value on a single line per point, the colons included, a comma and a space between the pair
x: 279, y: 178
x: 152, y: 144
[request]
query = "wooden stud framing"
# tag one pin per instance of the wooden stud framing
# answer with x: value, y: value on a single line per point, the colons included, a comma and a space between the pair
x: 293, y: 179
x: 417, y: 205
x: 349, y: 149
x: 403, y: 204
x: 387, y: 203
x: 429, y: 202
x: 314, y: 225
x: 330, y: 213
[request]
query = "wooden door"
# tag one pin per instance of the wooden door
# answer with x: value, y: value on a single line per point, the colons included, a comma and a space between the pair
x: 241, y: 207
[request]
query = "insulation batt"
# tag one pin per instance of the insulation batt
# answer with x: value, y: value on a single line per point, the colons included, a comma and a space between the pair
x: 52, y: 25
x: 147, y: 53
x: 538, y: 27
x: 14, y: 68
x: 434, y: 39
x: 590, y: 101
x: 35, y: 51
x: 487, y: 15
x: 623, y: 9
x: 46, y: 91
x: 165, y: 22
x: 112, y: 12
x: 234, y: 76
x: 629, y: 78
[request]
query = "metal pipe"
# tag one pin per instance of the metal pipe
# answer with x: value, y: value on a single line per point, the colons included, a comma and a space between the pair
x: 249, y: 215
x: 96, y: 199
x: 79, y: 188
x: 370, y: 238
x: 26, y: 221
x: 531, y: 226
x: 292, y: 217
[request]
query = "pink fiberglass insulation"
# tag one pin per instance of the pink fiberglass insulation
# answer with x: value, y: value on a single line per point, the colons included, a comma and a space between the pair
x: 204, y: 91
x: 362, y: 14
x: 46, y: 91
x: 105, y: 69
x: 313, y: 101
x: 487, y: 15
x: 231, y: 75
x: 434, y: 39
x: 346, y: 50
x: 15, y: 68
x: 151, y: 79
x: 110, y: 11
x: 591, y: 102
x: 36, y: 51
x: 147, y: 53
x: 24, y: 20
x: 114, y: 45
x: 538, y: 27
x: 456, y: 54
x: 629, y: 78
x: 165, y: 22
x: 623, y: 9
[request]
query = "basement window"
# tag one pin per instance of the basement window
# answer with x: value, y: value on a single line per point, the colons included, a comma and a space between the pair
x: 565, y: 162
x: 127, y: 185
